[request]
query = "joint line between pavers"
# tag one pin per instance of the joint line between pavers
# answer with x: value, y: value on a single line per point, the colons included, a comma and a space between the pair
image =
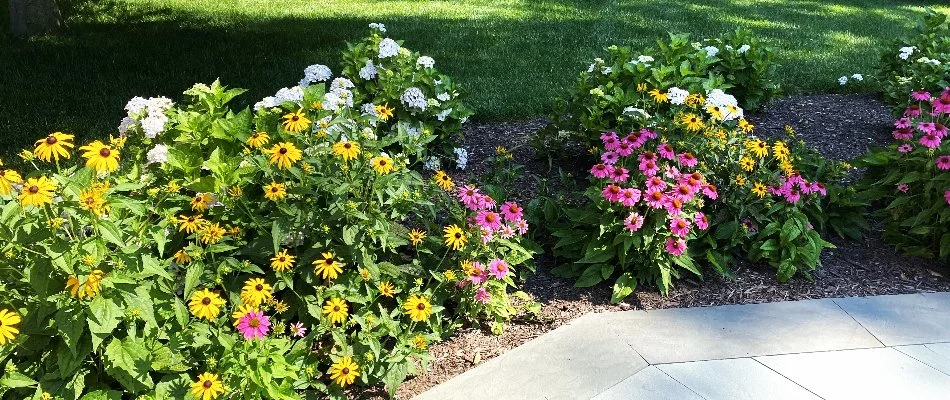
x: 771, y: 355
x: 858, y: 322
x: 917, y: 359
x: 682, y: 384
x: 787, y: 378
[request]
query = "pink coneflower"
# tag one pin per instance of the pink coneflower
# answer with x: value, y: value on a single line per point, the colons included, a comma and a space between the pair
x: 522, y: 226
x: 905, y: 148
x: 649, y: 167
x: 610, y: 140
x: 298, y: 329
x: 478, y: 275
x: 673, y: 206
x: 672, y: 172
x: 921, y: 95
x: 469, y: 196
x: 512, y: 211
x: 903, y: 188
x: 675, y: 247
x: 940, y: 130
x: 943, y: 162
x: 629, y: 197
x: 655, y: 183
x: 701, y: 220
x: 620, y: 174
x: 648, y: 134
x: 646, y: 156
x: 625, y: 148
x: 711, y: 192
x: 612, y: 193
x: 488, y: 220
x: 666, y: 151
x: 481, y: 295
x: 903, y: 133
x: 688, y: 159
x: 902, y: 123
x: 820, y: 188
x: 609, y: 157
x: 931, y: 141
x: 912, y: 111
x: 942, y: 104
x: 679, y: 227
x: 633, y: 222
x: 498, y: 268
x: 486, y: 202
x: 655, y: 199
x: 683, y: 192
x: 793, y: 195
x: 487, y: 235
x: 927, y: 127
x: 601, y: 170
x: 506, y: 232
x: 254, y: 325
x: 946, y: 196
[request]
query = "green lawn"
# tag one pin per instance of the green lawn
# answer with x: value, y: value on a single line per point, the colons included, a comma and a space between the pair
x: 513, y: 57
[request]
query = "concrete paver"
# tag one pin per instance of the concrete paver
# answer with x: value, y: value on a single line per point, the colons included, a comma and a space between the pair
x: 902, y: 319
x: 649, y: 383
x: 936, y: 355
x: 735, y: 379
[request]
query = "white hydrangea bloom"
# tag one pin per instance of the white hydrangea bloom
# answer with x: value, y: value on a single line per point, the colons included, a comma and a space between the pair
x: 159, y: 104
x: 444, y: 114
x: 857, y: 77
x: 461, y: 157
x: 136, y: 104
x: 369, y: 109
x: 729, y: 47
x: 411, y: 130
x: 413, y: 97
x: 267, y: 102
x: 153, y: 125
x: 332, y: 101
x: 315, y: 73
x: 432, y: 164
x: 388, y: 48
x: 339, y: 84
x: 677, y: 95
x: 597, y: 61
x: 378, y: 26
x: 928, y: 60
x: 293, y: 95
x: 158, y: 154
x: 637, y: 112
x: 744, y: 49
x: 642, y: 59
x: 444, y: 96
x: 126, y: 124
x: 606, y: 70
x: 843, y: 80
x: 425, y: 62
x: 711, y: 51
x: 906, y: 52
x: 368, y: 71
x: 720, y: 98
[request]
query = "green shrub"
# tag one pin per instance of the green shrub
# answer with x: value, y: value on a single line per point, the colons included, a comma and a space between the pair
x: 919, y: 62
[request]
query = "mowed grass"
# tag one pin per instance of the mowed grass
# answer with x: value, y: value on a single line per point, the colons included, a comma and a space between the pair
x: 514, y: 57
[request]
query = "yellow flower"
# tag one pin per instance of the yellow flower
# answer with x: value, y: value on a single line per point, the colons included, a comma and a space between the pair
x: 181, y: 258
x: 416, y: 236
x: 208, y: 386
x: 46, y: 396
x: 88, y: 289
x: 454, y: 237
x: 255, y: 292
x: 693, y: 122
x: 715, y: 111
x: 346, y: 150
x: 757, y: 147
x: 417, y: 308
x: 365, y: 274
x: 659, y: 97
x: 443, y: 180
x: 344, y: 371
x: 8, y: 330
x: 740, y: 180
x: 7, y: 178
x: 280, y: 307
x: 386, y: 289
x: 327, y: 267
x: 201, y: 202
x: 205, y: 304
x: 53, y: 146
x: 275, y: 191
x: 780, y: 151
x: 282, y: 261
x: 787, y: 168
x: 235, y: 191
x: 383, y: 112
x: 91, y: 200
x: 789, y: 130
x: 190, y: 224
x: 295, y: 122
x: 173, y: 187
x: 642, y: 87
x: 258, y: 139
x: 383, y: 165
x: 100, y: 157
x: 747, y: 164
x: 336, y: 310
x: 745, y: 126
x: 211, y: 233
x: 759, y: 189
x: 56, y: 223
x: 118, y: 142
x: 37, y: 192
x: 694, y: 100
x: 284, y: 154
x: 241, y: 312
x: 420, y: 342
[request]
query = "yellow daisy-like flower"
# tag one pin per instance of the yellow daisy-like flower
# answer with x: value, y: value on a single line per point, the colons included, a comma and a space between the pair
x: 280, y: 307
x: 740, y: 180
x: 346, y: 150
x: 694, y: 100
x: 7, y: 178
x: 745, y: 126
x: 181, y: 258
x: 282, y: 261
x: 173, y: 187
x: 747, y: 164
x: 642, y: 87
x: 759, y: 189
x: 780, y: 151
x: 383, y: 165
x: 715, y: 111
x: 54, y: 146
x: 387, y: 289
x: 46, y: 396
x: 365, y: 274
x: 454, y: 237
x: 284, y: 154
x: 190, y: 224
x: 417, y: 308
x: 256, y: 291
x: 235, y: 191
x: 327, y: 267
x: 88, y: 289
x: 91, y: 200
x: 449, y: 275
x: 208, y: 386
x: 416, y: 236
x: 258, y: 139
x: 295, y: 122
x: 383, y: 112
x: 101, y: 157
x: 757, y: 147
x: 344, y: 371
x: 443, y: 180
x: 201, y: 202
x: 118, y: 142
x: 336, y: 310
x: 787, y: 168
x: 659, y: 97
x: 420, y: 342
x: 37, y: 192
x: 692, y: 122
x: 211, y: 233
x: 275, y: 191
x: 241, y: 312
x: 8, y: 322
x: 205, y: 304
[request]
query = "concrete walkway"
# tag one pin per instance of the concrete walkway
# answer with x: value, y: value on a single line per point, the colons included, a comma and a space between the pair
x: 883, y: 347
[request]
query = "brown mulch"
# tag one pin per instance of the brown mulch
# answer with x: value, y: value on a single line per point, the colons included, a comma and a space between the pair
x: 840, y: 126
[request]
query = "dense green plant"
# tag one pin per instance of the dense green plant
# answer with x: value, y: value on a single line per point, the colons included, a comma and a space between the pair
x: 918, y: 62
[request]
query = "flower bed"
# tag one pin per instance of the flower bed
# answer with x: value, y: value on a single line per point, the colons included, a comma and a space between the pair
x: 920, y: 62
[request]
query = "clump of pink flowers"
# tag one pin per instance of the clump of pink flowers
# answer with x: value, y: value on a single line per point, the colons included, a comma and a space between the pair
x: 925, y: 124
x: 794, y: 188
x: 254, y: 325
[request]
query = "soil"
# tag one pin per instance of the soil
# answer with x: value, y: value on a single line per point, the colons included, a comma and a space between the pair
x: 840, y: 126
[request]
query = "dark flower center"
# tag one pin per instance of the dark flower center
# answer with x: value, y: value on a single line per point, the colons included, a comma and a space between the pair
x: 206, y: 301
x: 283, y: 150
x: 490, y: 217
x: 329, y: 261
x: 295, y: 118
x: 51, y: 140
x: 191, y: 219
x: 208, y: 384
x: 254, y: 322
x: 282, y: 259
x: 458, y: 235
x: 34, y: 189
x: 259, y: 287
x: 105, y: 152
x: 421, y: 306
x: 336, y: 308
x: 382, y: 163
x: 345, y: 371
x: 274, y: 189
x: 347, y: 146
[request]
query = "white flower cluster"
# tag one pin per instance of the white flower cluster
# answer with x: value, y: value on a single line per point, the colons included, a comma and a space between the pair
x: 744, y: 49
x: 927, y: 60
x: 677, y: 96
x: 388, y: 48
x: 158, y: 154
x: 725, y: 102
x: 148, y: 113
x: 461, y: 157
x: 711, y: 51
x: 606, y: 70
x: 432, y: 164
x: 906, y: 52
x: 444, y: 96
x: 642, y: 59
x: 425, y: 62
x: 637, y: 112
x: 315, y: 73
x: 597, y: 61
x: 378, y: 26
x: 368, y: 71
x: 413, y: 97
x: 292, y: 94
x: 844, y: 79
x: 444, y: 114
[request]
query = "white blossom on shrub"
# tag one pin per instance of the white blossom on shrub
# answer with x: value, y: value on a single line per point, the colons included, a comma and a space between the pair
x: 158, y: 154
x: 857, y: 77
x: 677, y: 96
x: 425, y: 62
x: 928, y: 60
x: 378, y: 26
x: 293, y: 95
x: 637, y: 112
x: 368, y: 71
x: 432, y: 164
x: 388, y: 48
x: 642, y: 59
x: 125, y: 125
x: 444, y: 96
x: 136, y: 104
x: 843, y: 80
x: 744, y: 48
x: 906, y: 52
x: 267, y: 102
x: 153, y: 125
x: 315, y: 73
x: 711, y: 51
x: 444, y: 114
x: 606, y: 70
x: 413, y: 97
x: 339, y: 84
x: 461, y: 157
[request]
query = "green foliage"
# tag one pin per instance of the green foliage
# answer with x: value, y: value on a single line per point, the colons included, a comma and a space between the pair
x: 918, y: 62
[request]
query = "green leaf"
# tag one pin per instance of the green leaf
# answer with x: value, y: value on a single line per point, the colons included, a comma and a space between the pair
x: 623, y: 287
x: 13, y: 379
x: 590, y: 277
x: 103, y: 395
x: 173, y: 387
x: 104, y: 316
x: 129, y: 361
x: 110, y: 232
x: 71, y: 325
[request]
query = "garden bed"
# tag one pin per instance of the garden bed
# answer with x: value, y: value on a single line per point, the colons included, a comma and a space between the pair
x: 840, y: 126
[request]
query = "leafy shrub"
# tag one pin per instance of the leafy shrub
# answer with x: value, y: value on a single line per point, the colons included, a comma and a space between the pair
x: 910, y: 178
x: 211, y: 252
x: 919, y: 62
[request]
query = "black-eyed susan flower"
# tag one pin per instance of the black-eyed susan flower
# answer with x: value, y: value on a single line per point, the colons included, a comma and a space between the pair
x: 240, y: 312
x: 7, y: 178
x: 740, y: 180
x: 205, y: 304
x: 190, y: 223
x: 780, y: 151
x: 295, y: 122
x: 346, y: 150
x: 201, y: 202
x: 37, y: 192
x: 365, y: 274
x: 747, y: 164
x: 211, y: 233
x: 284, y: 154
x: 420, y: 342
x: 101, y: 157
x: 387, y: 289
x: 759, y: 189
x: 235, y: 191
x: 335, y: 310
x: 454, y: 237
x: 280, y: 307
x: 715, y: 111
x: 758, y: 147
x: 417, y: 308
x: 8, y: 322
x: 383, y: 112
x: 344, y: 371
x: 173, y: 187
x: 692, y: 122
x: 382, y: 165
x: 255, y: 292
x: 282, y: 261
x: 92, y: 200
x: 327, y: 266
x: 208, y: 386
x: 88, y: 289
x: 745, y: 126
x: 54, y: 146
x: 443, y: 180
x: 416, y: 236
x: 181, y: 258
x: 258, y: 139
x: 275, y: 191
x: 659, y: 97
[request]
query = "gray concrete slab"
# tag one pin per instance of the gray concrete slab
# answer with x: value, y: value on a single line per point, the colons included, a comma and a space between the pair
x: 902, y: 319
x: 936, y: 355
x: 649, y: 384
x: 711, y: 333
x: 576, y: 361
x: 735, y: 379
x: 866, y: 374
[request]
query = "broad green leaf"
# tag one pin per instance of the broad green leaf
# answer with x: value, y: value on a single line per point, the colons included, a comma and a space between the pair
x: 129, y: 361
